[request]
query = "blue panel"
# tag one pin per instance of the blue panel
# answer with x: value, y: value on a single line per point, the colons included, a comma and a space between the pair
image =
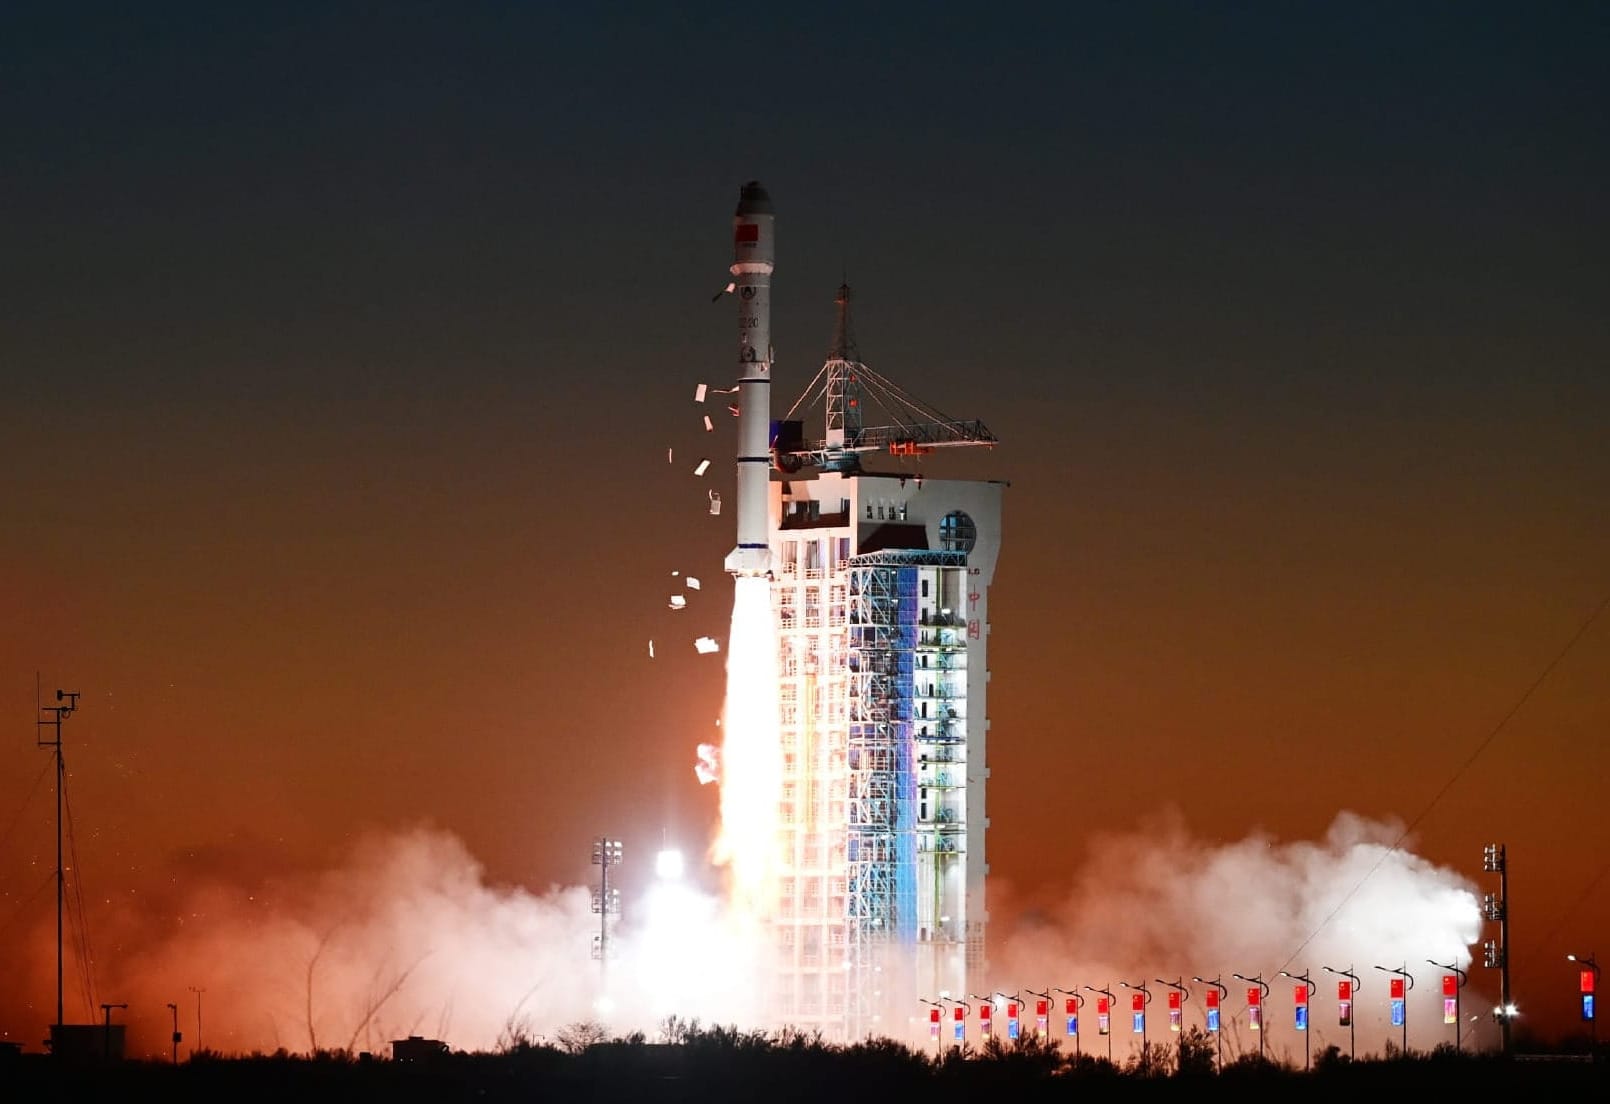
x: 905, y: 839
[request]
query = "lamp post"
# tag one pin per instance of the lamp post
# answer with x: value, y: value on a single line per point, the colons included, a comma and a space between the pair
x: 1308, y: 991
x: 1263, y: 1024
x: 937, y: 1019
x: 1110, y: 998
x: 1352, y: 994
x: 988, y: 1000
x: 1145, y: 999
x: 1590, y: 986
x: 967, y: 1010
x: 1011, y: 1000
x: 1077, y: 1001
x: 1185, y: 995
x: 174, y: 1008
x: 1459, y: 983
x: 1042, y: 1024
x: 1215, y: 1027
x: 1403, y: 973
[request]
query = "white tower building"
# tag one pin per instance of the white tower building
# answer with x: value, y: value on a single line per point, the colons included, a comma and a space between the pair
x: 881, y: 592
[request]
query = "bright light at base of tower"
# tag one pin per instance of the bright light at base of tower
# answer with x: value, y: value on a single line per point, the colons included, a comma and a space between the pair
x: 668, y: 865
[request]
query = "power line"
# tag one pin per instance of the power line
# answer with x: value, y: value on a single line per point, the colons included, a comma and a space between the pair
x: 1457, y: 774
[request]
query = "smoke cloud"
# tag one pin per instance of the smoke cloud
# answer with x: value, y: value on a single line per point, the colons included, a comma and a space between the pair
x: 407, y: 937
x: 1157, y: 903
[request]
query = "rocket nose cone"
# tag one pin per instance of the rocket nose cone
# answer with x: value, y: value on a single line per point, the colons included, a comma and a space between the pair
x: 753, y: 200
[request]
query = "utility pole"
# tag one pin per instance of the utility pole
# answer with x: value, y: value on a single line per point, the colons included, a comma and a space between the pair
x: 174, y: 1008
x: 198, y: 993
x: 1496, y: 955
x: 58, y: 714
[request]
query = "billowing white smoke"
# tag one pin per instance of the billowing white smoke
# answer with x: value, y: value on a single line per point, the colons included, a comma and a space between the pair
x: 1156, y: 903
x: 407, y: 938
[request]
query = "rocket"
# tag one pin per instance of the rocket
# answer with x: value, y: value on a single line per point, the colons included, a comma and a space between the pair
x: 753, y: 258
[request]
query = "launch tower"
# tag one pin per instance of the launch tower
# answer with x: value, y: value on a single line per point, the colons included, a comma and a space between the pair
x: 881, y: 594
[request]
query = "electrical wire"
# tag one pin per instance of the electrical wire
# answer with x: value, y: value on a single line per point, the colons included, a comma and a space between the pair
x: 1458, y: 773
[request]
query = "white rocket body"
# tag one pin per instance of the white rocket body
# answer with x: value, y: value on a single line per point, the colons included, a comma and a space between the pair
x: 754, y: 257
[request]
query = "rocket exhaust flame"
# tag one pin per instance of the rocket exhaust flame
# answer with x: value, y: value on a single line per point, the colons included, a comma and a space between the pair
x: 751, y: 756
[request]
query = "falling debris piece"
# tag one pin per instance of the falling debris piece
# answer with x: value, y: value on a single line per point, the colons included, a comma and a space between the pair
x: 704, y: 466
x: 733, y: 409
x: 651, y: 649
x: 693, y: 584
x: 674, y: 574
x: 706, y: 645
x: 708, y: 768
x: 709, y: 426
x: 723, y: 391
x: 668, y: 458
x: 698, y: 394
x: 678, y: 601
x: 715, y: 503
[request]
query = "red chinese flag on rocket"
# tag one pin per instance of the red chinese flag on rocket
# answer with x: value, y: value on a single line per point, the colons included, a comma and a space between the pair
x: 1397, y: 988
x: 1587, y: 981
x: 1450, y: 985
x: 1344, y: 990
x: 1137, y: 1003
x: 1212, y: 998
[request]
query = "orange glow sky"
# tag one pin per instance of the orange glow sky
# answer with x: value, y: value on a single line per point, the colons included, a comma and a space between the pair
x: 340, y: 364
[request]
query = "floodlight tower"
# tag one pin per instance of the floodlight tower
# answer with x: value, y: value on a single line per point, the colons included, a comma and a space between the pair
x: 58, y: 713
x: 1495, y: 956
x: 606, y: 901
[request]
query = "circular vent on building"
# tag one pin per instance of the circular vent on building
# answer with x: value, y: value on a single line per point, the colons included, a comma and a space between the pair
x: 957, y: 532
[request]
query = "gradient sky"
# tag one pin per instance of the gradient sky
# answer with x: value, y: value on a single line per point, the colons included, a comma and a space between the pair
x: 341, y: 349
